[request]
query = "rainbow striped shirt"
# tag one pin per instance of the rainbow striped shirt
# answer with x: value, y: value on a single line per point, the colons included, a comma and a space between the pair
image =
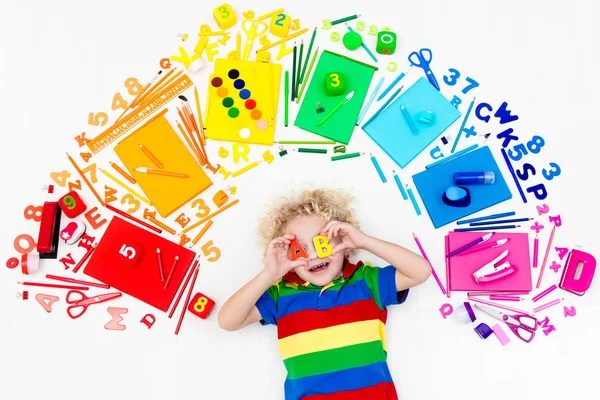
x: 332, y: 338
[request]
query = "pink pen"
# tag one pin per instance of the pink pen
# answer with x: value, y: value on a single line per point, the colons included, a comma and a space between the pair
x: 547, y: 305
x: 544, y: 293
x: 535, y: 251
x: 489, y: 303
x: 517, y: 293
x: 435, y: 275
x: 506, y: 298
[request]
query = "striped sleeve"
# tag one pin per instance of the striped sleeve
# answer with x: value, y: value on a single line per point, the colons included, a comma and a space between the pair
x: 267, y: 305
x: 382, y: 284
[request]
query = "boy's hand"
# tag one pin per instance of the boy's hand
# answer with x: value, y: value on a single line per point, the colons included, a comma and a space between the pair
x: 351, y: 237
x: 278, y: 261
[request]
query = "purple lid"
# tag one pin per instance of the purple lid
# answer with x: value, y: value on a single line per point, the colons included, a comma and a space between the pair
x: 483, y: 331
x: 470, y: 311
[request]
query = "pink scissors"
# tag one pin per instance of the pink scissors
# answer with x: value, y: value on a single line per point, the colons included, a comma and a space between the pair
x: 80, y: 302
x: 523, y: 326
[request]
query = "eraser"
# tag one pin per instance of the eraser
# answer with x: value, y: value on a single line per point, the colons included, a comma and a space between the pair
x: 483, y: 330
x: 499, y: 332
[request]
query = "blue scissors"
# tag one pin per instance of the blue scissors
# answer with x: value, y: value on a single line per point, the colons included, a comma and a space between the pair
x: 422, y: 59
x: 79, y: 302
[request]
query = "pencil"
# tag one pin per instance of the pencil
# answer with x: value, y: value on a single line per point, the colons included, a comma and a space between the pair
x: 270, y: 14
x: 147, y: 92
x: 209, y: 216
x: 151, y: 171
x: 310, y: 46
x: 364, y: 46
x: 151, y: 156
x: 400, y: 187
x: 285, y: 39
x: 408, y: 119
x: 435, y: 275
x: 505, y: 298
x: 341, y: 20
x: 84, y: 259
x: 85, y: 179
x: 195, y: 151
x: 462, y: 126
x: 124, y: 186
x: 536, y: 243
x: 123, y: 173
x: 502, y: 221
x: 187, y: 300
x: 413, y: 200
x: 306, y: 142
x: 299, y: 71
x: 202, y: 232
x: 307, y: 150
x: 199, y: 111
x: 188, y: 129
x: 161, y: 269
x: 383, y: 107
x: 287, y: 95
x: 336, y: 108
x: 503, y: 307
x: 394, y: 83
x: 378, y: 168
x: 453, y: 156
x: 345, y: 156
x: 493, y: 216
x: 139, y: 96
x: 487, y: 228
x: 294, y: 74
x: 373, y: 95
x: 547, y: 305
x: 131, y: 217
x: 310, y: 68
x: 171, y: 272
x: 52, y: 285
x: 157, y: 89
x: 246, y: 168
x: 544, y: 293
x: 77, y: 281
x: 187, y: 279
x: 158, y: 223
x: 545, y: 257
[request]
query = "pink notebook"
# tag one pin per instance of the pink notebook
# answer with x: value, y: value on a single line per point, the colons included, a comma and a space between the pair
x: 462, y: 267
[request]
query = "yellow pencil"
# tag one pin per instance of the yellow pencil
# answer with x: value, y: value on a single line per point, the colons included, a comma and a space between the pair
x: 285, y: 39
x: 202, y: 232
x: 209, y: 216
x: 267, y: 15
x: 246, y: 168
x: 124, y: 186
x: 238, y: 45
x: 200, y: 122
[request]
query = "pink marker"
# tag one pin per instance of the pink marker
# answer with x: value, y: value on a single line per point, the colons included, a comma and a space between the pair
x: 489, y: 303
x: 547, y: 305
x: 506, y: 298
x: 544, y: 293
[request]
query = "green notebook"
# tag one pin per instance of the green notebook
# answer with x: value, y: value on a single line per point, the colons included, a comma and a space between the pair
x: 341, y: 125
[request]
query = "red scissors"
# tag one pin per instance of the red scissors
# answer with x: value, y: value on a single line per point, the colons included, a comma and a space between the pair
x: 80, y: 302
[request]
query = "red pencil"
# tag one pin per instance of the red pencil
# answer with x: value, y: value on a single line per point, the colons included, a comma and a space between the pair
x: 125, y: 215
x: 70, y: 280
x: 171, y: 272
x: 51, y: 285
x: 84, y: 259
x: 183, y: 289
x: 187, y: 300
x: 160, y: 265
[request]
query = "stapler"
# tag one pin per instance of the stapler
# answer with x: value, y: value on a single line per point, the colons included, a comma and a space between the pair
x: 494, y: 269
x: 578, y: 273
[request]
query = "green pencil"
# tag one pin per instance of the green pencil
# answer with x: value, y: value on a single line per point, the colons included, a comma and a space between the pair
x: 310, y: 46
x: 306, y: 142
x: 305, y: 150
x: 287, y: 95
x: 344, y: 156
x: 310, y: 68
x: 299, y: 67
x: 350, y: 18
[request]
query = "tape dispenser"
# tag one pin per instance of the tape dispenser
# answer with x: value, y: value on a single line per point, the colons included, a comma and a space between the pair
x: 578, y: 273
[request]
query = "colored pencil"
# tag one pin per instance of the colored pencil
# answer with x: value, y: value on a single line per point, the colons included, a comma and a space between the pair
x: 51, y: 285
x: 270, y: 14
x: 487, y: 228
x: 124, y: 186
x: 161, y: 269
x: 285, y: 39
x: 446, y: 250
x: 294, y: 73
x: 413, y: 200
x: 182, y: 289
x: 299, y: 67
x: 151, y: 156
x: 84, y: 259
x: 199, y: 112
x: 547, y: 305
x: 345, y: 156
x: 383, y: 107
x: 378, y: 168
x: 246, y: 168
x: 160, y: 81
x: 132, y: 218
x: 544, y: 293
x: 188, y: 129
x: 209, y: 216
x: 514, y: 176
x: 187, y: 300
x: 493, y: 216
x: 400, y: 187
x: 435, y: 275
x: 536, y: 243
x: 336, y: 108
x: 408, y: 119
x: 310, y: 68
x: 501, y: 306
x: 202, y: 232
x: 453, y: 156
x: 505, y: 298
x: 364, y: 46
x: 192, y: 145
x: 307, y: 150
x: 394, y: 83
x: 310, y: 46
x: 366, y: 107
x: 171, y: 272
x: 77, y: 281
x: 502, y: 221
x: 158, y: 223
x: 150, y: 171
x: 123, y: 173
x: 85, y: 179
x: 287, y: 95
x: 342, y: 20
x: 462, y: 126
x: 306, y: 142
x: 483, y: 293
x: 545, y: 258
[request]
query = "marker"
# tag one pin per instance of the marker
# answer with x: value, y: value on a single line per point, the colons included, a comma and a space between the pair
x: 344, y: 156
x: 306, y: 150
x: 408, y: 120
x: 287, y: 94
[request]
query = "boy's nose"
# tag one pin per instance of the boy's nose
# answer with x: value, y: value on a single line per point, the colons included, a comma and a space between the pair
x: 312, y: 253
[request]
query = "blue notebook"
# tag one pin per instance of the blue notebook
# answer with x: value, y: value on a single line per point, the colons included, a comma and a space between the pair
x: 393, y: 134
x: 432, y: 183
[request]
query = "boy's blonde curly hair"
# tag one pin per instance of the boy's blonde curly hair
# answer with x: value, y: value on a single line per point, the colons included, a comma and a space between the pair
x: 331, y: 204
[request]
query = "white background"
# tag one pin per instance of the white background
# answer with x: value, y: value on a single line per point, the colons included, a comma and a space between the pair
x: 61, y: 60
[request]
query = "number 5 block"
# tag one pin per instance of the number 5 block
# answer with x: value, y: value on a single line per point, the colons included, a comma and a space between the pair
x: 72, y: 205
x: 201, y: 305
x: 224, y: 16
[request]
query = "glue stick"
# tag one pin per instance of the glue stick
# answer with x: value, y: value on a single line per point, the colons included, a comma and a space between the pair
x: 465, y: 313
x: 474, y: 178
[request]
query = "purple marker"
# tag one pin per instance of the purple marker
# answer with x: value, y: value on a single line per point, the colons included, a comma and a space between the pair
x: 468, y: 245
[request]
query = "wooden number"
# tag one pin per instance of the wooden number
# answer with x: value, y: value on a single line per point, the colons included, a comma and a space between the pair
x: 208, y: 249
x: 60, y: 177
x: 75, y: 185
x: 373, y: 30
x: 98, y: 119
x: 280, y: 19
x: 119, y: 102
x: 34, y: 213
x: 127, y: 252
x: 70, y: 202
x: 30, y: 244
x: 360, y: 26
x: 128, y: 199
x: 535, y: 144
x: 295, y: 24
x: 454, y: 75
x: 472, y: 85
x: 92, y: 170
x: 553, y: 173
x: 133, y: 86
x: 201, y: 304
x: 334, y: 36
x: 109, y: 194
x: 224, y: 11
x: 201, y: 205
x: 335, y: 80
x: 517, y: 152
x: 544, y: 209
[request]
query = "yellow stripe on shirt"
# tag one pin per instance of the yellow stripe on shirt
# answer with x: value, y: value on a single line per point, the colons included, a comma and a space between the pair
x: 332, y: 338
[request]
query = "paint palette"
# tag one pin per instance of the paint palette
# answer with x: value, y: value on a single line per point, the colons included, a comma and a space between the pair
x: 242, y: 101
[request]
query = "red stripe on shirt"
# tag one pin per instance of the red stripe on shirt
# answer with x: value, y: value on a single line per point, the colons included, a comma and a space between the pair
x: 381, y: 391
x: 308, y: 320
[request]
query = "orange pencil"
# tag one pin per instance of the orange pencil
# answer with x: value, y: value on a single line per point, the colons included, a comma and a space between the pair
x: 200, y: 123
x: 151, y: 171
x: 140, y: 94
x: 143, y: 97
x: 189, y: 131
x: 123, y: 173
x: 158, y: 223
x: 202, y: 232
x: 209, y: 216
x: 151, y: 156
x: 192, y: 123
x: 131, y: 217
x: 152, y: 96
x: 189, y: 142
x: 87, y: 182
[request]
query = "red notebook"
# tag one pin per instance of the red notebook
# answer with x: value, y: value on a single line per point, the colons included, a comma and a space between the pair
x: 126, y: 260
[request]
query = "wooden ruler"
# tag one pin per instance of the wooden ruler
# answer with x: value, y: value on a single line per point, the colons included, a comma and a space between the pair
x: 140, y: 114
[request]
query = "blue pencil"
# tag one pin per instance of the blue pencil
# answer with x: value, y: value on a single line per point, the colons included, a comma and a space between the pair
x: 462, y: 126
x: 383, y: 107
x: 457, y: 154
x: 394, y: 83
x: 493, y: 216
x: 413, y: 200
x: 402, y: 191
x: 487, y: 228
x: 363, y: 45
x: 514, y: 176
x: 378, y: 168
x: 364, y: 111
